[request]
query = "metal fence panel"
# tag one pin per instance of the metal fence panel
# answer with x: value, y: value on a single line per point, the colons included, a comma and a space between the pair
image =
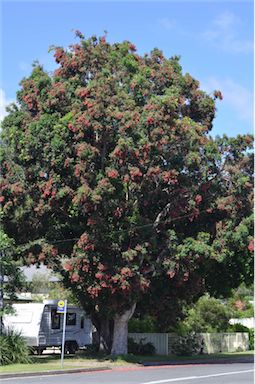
x: 159, y: 340
x: 213, y: 342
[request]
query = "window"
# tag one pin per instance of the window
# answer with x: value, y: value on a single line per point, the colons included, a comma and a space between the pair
x: 70, y: 318
x: 55, y: 319
x: 82, y: 322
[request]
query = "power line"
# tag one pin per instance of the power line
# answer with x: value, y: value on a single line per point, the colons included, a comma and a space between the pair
x: 148, y: 225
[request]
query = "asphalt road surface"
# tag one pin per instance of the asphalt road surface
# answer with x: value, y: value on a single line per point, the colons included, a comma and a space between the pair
x: 185, y: 374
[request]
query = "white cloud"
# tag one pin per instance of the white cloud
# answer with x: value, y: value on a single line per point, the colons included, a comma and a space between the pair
x: 235, y: 95
x: 167, y: 23
x: 3, y: 104
x: 222, y: 33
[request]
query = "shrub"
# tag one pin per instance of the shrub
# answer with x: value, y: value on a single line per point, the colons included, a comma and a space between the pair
x: 145, y: 325
x: 187, y: 345
x: 13, y: 348
x: 238, y: 328
x: 207, y: 315
x: 140, y: 348
x: 241, y: 328
x: 251, y: 339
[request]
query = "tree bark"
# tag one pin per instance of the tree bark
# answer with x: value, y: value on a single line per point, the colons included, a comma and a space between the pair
x: 120, y: 332
x: 103, y: 336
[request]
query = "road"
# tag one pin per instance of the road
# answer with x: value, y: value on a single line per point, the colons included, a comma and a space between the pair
x: 193, y: 374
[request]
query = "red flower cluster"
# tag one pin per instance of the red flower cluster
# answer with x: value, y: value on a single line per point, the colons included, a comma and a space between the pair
x: 72, y: 128
x: 169, y: 177
x: 194, y: 215
x: 198, y: 199
x: 54, y: 252
x: 126, y: 272
x: 251, y: 246
x: 47, y: 188
x: 132, y: 47
x: 68, y: 267
x: 218, y: 95
x: 240, y: 305
x: 84, y: 239
x: 150, y: 121
x: 101, y: 267
x: 31, y: 102
x: 118, y: 212
x: 135, y: 173
x: 59, y: 55
x: 126, y: 178
x: 93, y: 292
x: 77, y: 170
x: 171, y: 274
x: 91, y: 221
x: 89, y: 247
x: 75, y: 278
x: 112, y: 173
x: 99, y: 275
x: 153, y: 171
x: 83, y: 92
x: 85, y: 268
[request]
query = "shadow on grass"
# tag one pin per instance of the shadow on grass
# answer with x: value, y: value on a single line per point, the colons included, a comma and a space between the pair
x: 246, y: 357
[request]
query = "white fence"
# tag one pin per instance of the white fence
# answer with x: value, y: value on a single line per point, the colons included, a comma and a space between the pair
x: 159, y: 340
x: 212, y: 342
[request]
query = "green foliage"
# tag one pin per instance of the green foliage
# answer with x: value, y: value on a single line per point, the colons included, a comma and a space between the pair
x: 237, y: 328
x: 187, y: 345
x: 241, y: 302
x: 207, y: 315
x: 140, y: 348
x: 13, y: 349
x: 59, y: 291
x: 40, y: 283
x: 251, y: 339
x: 13, y: 277
x: 144, y: 325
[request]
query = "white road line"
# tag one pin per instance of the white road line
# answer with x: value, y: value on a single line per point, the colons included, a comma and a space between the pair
x: 196, y: 377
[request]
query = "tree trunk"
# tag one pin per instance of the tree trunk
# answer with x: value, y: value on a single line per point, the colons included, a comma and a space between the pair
x: 120, y: 332
x: 104, y: 332
x: 105, y: 337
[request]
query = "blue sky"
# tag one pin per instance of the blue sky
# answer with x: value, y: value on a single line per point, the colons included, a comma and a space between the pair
x: 213, y: 38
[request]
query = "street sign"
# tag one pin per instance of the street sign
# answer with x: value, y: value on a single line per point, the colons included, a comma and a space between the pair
x: 61, y: 306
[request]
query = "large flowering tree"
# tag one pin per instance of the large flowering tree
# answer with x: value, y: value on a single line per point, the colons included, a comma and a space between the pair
x: 111, y: 178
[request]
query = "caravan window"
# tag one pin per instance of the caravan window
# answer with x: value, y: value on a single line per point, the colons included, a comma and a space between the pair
x: 70, y: 318
x: 55, y: 319
x: 82, y: 322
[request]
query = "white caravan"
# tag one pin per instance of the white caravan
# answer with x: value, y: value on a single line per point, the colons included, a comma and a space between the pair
x: 42, y: 327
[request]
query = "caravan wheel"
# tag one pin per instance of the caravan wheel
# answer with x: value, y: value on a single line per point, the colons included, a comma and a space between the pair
x: 40, y: 351
x: 71, y: 347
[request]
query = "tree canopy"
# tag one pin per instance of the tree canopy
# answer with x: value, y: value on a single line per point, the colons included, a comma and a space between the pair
x: 110, y: 176
x: 11, y: 277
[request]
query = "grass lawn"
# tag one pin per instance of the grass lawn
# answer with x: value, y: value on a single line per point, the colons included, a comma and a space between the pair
x: 51, y: 362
